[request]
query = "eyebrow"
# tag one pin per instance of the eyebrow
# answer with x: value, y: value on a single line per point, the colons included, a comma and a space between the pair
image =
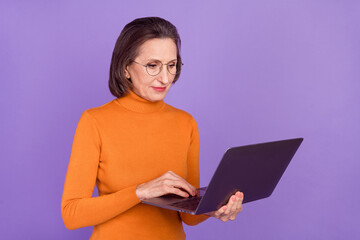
x: 153, y: 59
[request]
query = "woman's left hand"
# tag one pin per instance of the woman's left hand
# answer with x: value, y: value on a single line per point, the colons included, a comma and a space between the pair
x: 231, y: 209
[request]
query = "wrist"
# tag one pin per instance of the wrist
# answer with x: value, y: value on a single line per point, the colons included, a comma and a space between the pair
x: 139, y: 193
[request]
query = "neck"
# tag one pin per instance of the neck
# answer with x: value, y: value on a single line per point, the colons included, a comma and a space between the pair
x: 135, y: 103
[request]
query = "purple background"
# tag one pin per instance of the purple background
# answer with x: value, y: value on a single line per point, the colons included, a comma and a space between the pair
x: 254, y: 71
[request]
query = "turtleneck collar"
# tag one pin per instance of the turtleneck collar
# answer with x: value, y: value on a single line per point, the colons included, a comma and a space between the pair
x: 133, y: 102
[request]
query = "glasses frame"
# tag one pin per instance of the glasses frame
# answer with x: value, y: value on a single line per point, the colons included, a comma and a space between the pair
x: 161, y: 67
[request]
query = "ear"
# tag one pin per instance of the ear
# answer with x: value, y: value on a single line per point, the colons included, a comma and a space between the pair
x: 127, y: 74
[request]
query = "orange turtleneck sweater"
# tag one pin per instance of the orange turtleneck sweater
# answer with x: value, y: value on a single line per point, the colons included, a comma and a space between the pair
x: 120, y: 145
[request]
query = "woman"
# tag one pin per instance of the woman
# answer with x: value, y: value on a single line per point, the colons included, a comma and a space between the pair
x: 137, y: 147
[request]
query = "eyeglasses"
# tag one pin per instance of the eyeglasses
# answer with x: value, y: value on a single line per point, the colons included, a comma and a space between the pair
x: 155, y: 68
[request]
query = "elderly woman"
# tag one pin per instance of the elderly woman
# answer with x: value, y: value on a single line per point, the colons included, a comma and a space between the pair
x: 136, y: 146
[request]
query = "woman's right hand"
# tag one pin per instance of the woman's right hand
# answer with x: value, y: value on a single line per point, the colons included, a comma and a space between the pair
x: 167, y: 183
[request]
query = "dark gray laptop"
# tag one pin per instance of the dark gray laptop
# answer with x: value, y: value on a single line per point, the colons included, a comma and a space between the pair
x: 254, y: 170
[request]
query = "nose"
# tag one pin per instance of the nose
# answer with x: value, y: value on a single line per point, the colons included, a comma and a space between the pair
x: 163, y: 76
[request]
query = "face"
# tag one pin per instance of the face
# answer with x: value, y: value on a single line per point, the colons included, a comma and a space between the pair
x: 153, y: 88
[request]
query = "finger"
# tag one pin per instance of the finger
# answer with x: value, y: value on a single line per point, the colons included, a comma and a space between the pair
x: 178, y: 184
x: 175, y: 190
x: 234, y: 211
x: 241, y: 202
x: 183, y: 186
x: 230, y: 205
x: 224, y: 218
x: 190, y: 188
x: 240, y: 195
x: 168, y: 186
x: 220, y: 212
x: 193, y: 189
x: 237, y: 207
x: 239, y: 198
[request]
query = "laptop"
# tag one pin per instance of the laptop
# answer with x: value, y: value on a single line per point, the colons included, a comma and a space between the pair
x: 253, y: 169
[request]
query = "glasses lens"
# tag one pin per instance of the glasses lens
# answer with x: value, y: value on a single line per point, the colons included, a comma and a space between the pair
x: 172, y: 68
x: 153, y: 68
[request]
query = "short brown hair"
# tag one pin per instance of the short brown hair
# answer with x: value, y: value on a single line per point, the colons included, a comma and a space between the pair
x: 127, y: 46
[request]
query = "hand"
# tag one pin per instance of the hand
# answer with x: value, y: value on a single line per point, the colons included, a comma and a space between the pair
x: 167, y: 183
x: 230, y: 210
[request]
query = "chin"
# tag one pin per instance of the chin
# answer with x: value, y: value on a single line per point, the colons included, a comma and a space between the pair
x: 157, y: 97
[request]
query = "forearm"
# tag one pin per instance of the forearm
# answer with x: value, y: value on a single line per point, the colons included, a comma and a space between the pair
x: 193, y: 175
x: 89, y: 211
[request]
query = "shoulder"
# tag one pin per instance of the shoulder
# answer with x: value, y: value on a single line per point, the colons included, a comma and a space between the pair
x: 106, y: 109
x: 109, y: 106
x: 180, y: 114
x: 177, y: 111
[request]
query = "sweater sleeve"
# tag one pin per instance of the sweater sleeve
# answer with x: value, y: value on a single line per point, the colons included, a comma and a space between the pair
x: 193, y: 173
x: 78, y: 207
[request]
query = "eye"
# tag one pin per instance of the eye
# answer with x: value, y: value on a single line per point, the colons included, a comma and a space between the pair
x: 172, y: 65
x: 151, y: 65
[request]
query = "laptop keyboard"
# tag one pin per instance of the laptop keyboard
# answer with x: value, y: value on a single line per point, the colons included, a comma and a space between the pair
x: 190, y: 204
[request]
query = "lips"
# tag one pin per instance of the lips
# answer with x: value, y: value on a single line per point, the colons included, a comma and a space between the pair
x: 159, y: 89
